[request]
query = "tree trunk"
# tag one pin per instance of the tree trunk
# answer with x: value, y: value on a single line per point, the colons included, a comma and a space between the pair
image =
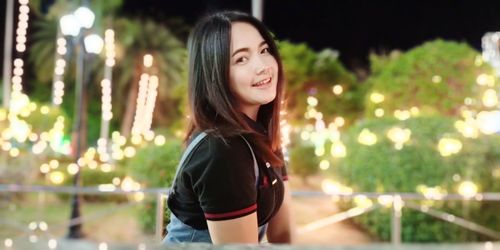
x: 130, y: 105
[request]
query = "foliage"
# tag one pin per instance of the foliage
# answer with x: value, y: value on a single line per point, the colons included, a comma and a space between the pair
x: 24, y: 168
x: 435, y: 77
x: 303, y: 162
x: 93, y: 178
x: 134, y: 39
x: 382, y: 168
x: 315, y: 73
x: 154, y: 167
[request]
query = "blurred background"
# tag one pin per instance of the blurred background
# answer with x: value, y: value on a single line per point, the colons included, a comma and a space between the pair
x: 391, y: 127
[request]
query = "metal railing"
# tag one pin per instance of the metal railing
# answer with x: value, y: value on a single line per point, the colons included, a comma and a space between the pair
x: 397, y: 200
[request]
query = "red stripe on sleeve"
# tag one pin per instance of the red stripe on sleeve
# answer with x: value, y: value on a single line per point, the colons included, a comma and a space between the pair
x: 232, y: 214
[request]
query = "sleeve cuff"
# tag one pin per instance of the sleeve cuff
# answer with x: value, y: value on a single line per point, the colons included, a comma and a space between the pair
x: 231, y: 215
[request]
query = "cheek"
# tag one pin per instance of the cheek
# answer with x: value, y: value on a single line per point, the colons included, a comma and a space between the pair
x: 236, y: 80
x: 274, y: 64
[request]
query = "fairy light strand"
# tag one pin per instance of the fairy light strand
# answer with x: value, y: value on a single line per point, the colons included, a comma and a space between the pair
x: 59, y: 67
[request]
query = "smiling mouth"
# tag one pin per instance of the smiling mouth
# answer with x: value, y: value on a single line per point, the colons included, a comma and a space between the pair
x: 262, y: 83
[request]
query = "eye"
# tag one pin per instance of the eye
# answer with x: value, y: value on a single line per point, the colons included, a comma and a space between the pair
x: 265, y: 50
x: 241, y: 59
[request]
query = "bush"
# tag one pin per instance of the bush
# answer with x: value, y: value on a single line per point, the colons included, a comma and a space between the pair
x: 154, y: 166
x: 92, y: 178
x: 310, y: 73
x: 303, y: 161
x: 382, y: 168
x: 435, y: 77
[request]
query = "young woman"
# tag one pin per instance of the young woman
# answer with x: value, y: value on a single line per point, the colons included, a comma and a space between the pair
x: 231, y: 187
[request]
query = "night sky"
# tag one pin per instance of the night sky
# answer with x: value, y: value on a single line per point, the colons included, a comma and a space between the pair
x: 353, y: 27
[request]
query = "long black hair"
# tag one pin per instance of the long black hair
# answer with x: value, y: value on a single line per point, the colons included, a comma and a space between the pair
x: 212, y: 104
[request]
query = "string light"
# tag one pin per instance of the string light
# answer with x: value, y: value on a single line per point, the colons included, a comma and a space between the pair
x: 8, y: 242
x: 337, y: 89
x: 488, y: 122
x: 366, y: 137
x: 338, y: 149
x: 140, y: 104
x: 106, y: 105
x: 150, y: 103
x: 485, y: 80
x: 159, y: 140
x: 21, y: 31
x: 106, y: 100
x: 385, y: 200
x: 449, y: 146
x: 399, y: 136
x: 490, y: 98
x: 312, y: 101
x: 376, y: 97
x: 467, y: 189
x: 324, y: 165
x: 148, y: 60
x: 379, y: 112
x: 339, y: 121
x: 361, y: 201
x: 402, y: 114
x: 432, y: 193
x: 52, y: 244
x: 436, y: 79
x: 334, y: 188
x: 109, y: 40
x: 103, y: 246
x: 59, y: 66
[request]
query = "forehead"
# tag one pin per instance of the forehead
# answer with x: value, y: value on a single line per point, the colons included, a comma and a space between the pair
x: 244, y: 35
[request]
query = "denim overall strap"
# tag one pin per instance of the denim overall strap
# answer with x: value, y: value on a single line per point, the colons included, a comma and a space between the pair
x: 186, y: 153
x: 255, y: 165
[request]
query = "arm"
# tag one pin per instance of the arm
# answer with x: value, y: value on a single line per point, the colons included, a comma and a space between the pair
x: 281, y: 226
x: 239, y: 230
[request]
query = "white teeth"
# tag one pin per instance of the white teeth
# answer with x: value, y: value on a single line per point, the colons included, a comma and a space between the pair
x: 262, y: 82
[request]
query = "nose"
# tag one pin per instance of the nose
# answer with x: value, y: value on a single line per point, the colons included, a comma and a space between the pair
x: 261, y: 66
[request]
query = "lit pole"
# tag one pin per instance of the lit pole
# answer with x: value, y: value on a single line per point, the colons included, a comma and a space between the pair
x: 257, y: 9
x: 75, y: 24
x: 7, y: 67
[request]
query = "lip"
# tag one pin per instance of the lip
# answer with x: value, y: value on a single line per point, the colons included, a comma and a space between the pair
x: 267, y: 82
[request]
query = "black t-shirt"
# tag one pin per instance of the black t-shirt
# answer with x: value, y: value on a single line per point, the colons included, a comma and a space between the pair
x: 217, y: 182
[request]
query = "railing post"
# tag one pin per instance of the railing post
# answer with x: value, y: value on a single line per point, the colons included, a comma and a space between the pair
x: 159, y: 215
x: 397, y: 204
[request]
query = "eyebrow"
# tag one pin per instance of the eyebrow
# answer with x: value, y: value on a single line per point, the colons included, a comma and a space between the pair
x: 247, y: 49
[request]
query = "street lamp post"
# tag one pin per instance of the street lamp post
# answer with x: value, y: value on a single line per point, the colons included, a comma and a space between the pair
x: 74, y: 25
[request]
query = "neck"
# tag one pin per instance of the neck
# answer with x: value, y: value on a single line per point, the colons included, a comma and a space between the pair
x: 251, y: 112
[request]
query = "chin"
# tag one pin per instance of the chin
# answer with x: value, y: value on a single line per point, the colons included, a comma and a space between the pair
x: 267, y: 100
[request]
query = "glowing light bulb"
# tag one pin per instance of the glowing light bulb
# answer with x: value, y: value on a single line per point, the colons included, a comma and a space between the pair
x: 467, y: 189
x: 337, y: 89
x: 338, y: 149
x: 379, y: 112
x: 366, y: 137
x: 324, y: 164
x: 56, y: 177
x: 490, y: 98
x: 312, y: 101
x: 449, y: 146
x: 376, y: 97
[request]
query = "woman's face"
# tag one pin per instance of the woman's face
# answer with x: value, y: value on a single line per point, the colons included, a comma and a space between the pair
x: 253, y: 71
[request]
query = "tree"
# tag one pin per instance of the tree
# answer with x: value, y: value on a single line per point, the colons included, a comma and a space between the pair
x: 135, y: 38
x: 315, y: 73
